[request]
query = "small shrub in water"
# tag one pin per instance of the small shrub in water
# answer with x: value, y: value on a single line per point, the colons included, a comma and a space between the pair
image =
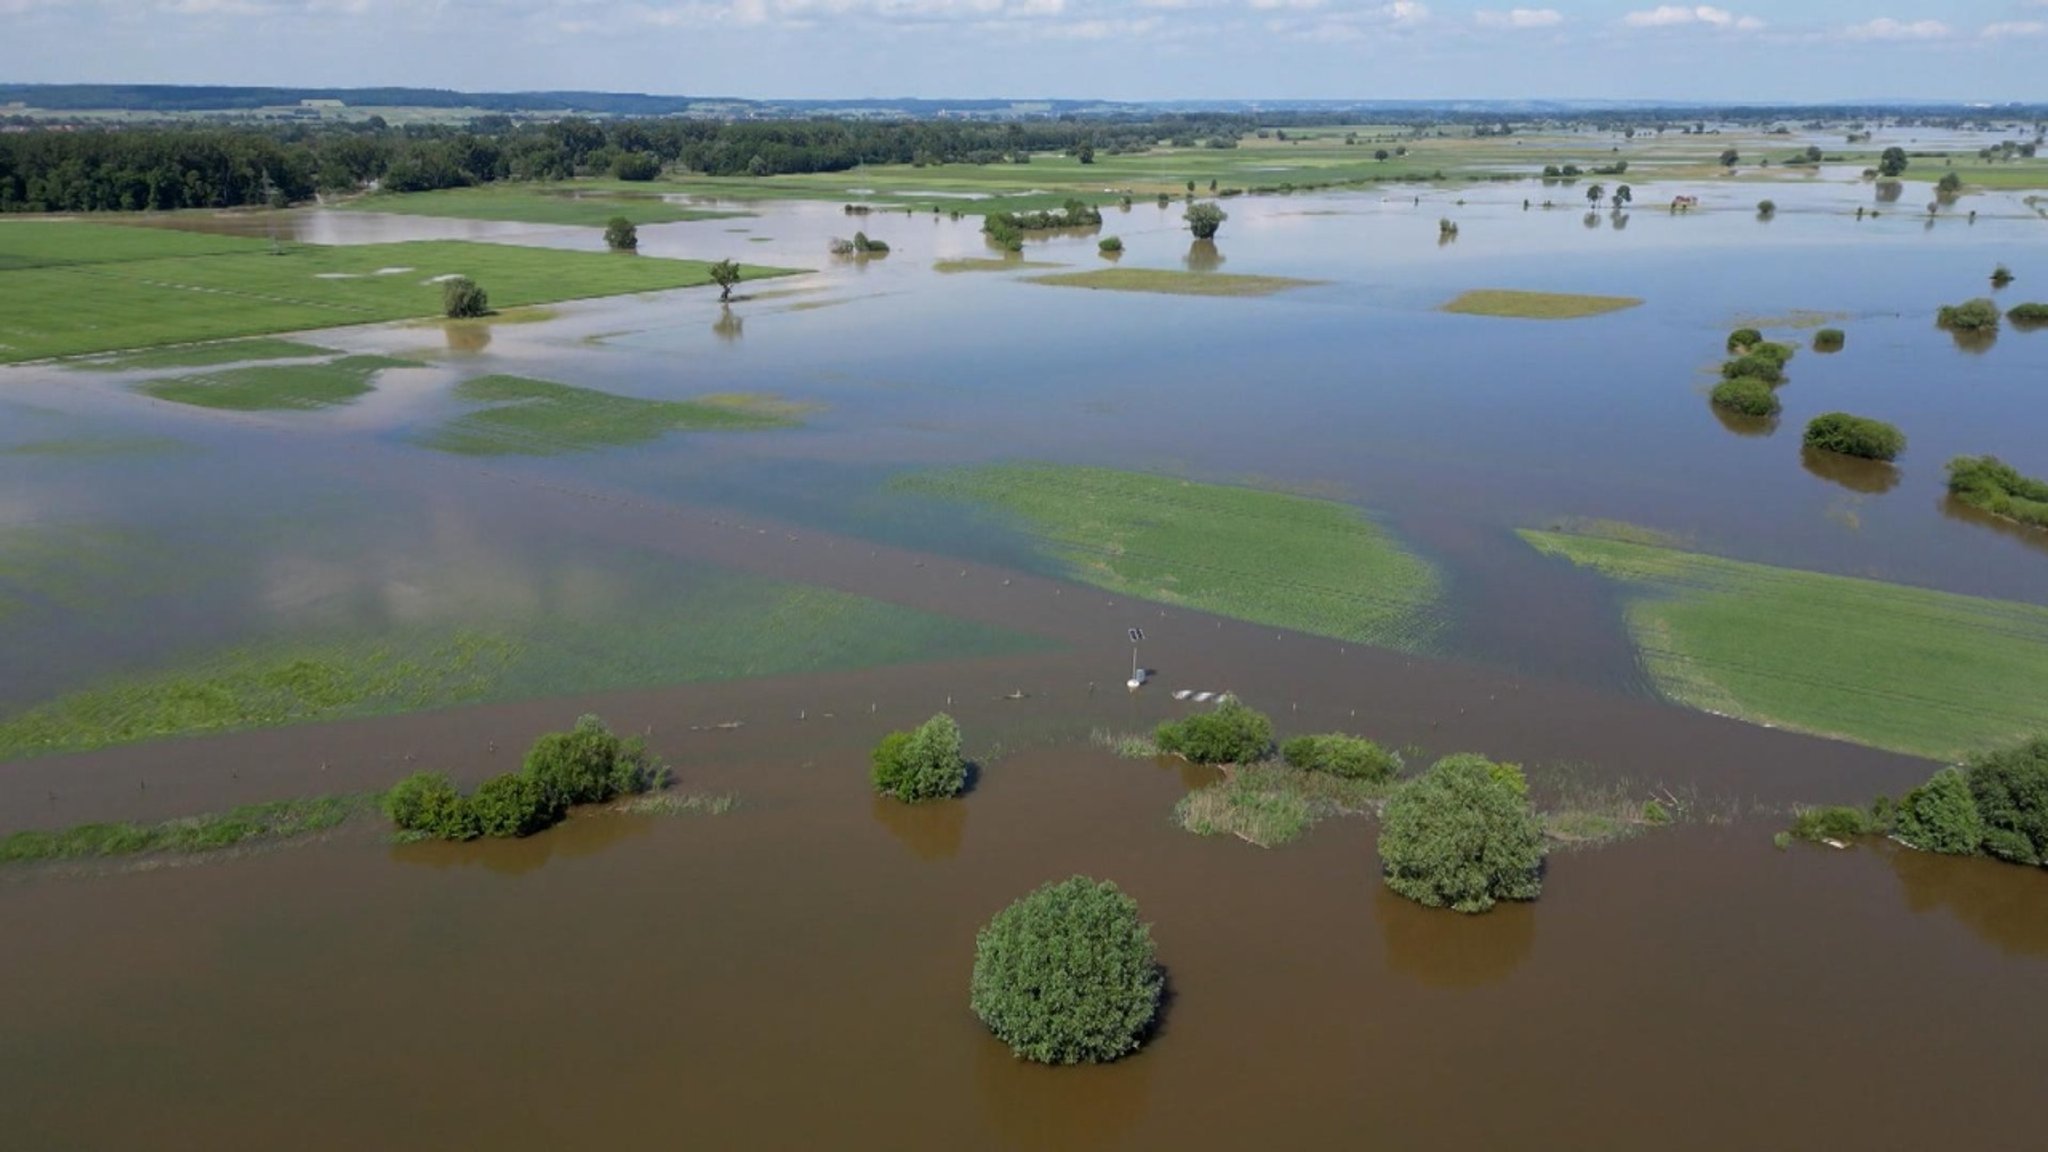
x: 1978, y: 315
x: 1232, y: 734
x: 620, y: 235
x: 1109, y: 244
x: 1351, y: 757
x: 463, y: 299
x: 1836, y: 823
x: 1756, y: 366
x: 2001, y: 276
x: 428, y: 804
x: 515, y: 804
x: 1988, y: 483
x: 1461, y: 836
x: 1829, y: 340
x: 590, y: 765
x: 1068, y: 974
x: 1743, y: 339
x: 1860, y: 436
x: 2028, y: 315
x: 923, y: 764
x: 1746, y: 395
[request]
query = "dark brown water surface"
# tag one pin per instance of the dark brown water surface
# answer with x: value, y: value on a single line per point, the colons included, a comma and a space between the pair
x: 794, y: 975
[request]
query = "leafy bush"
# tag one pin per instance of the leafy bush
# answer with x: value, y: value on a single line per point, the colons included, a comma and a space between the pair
x: 1743, y: 339
x: 1231, y: 734
x: 1941, y: 816
x: 1068, y: 974
x: 2001, y: 276
x: 428, y: 804
x: 1767, y: 208
x: 1829, y: 340
x: 620, y: 235
x: 2010, y: 788
x: 1461, y: 836
x: 1837, y: 823
x: 1109, y: 244
x: 590, y: 765
x: 515, y: 804
x: 1979, y: 315
x: 867, y: 247
x: 636, y: 166
x: 1776, y: 353
x: 923, y: 764
x: 1204, y: 219
x: 2028, y: 315
x: 1855, y: 436
x: 1747, y: 395
x: 1351, y: 757
x: 1756, y: 366
x: 463, y: 299
x: 1988, y: 483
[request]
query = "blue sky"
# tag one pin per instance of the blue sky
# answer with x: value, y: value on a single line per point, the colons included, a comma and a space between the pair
x: 1793, y: 50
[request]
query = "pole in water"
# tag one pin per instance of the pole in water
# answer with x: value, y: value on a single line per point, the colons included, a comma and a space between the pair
x: 1137, y: 679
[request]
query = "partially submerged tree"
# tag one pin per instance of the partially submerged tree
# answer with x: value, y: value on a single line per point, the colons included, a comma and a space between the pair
x: 922, y: 764
x: 1231, y: 734
x: 1204, y: 219
x: 1860, y: 436
x: 620, y: 235
x: 2011, y: 791
x: 1941, y: 816
x: 725, y: 274
x: 1068, y: 974
x: 463, y: 299
x: 1462, y: 836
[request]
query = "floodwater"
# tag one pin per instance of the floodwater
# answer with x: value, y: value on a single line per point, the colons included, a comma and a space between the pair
x: 794, y: 974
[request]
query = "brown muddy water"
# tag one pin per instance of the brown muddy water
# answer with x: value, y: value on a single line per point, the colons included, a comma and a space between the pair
x: 793, y: 974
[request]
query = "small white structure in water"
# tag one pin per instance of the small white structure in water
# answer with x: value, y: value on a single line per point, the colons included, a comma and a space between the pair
x: 1138, y: 674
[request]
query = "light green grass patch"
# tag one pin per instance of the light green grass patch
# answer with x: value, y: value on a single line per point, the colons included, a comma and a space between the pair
x: 988, y: 264
x: 245, y: 826
x: 276, y: 387
x: 1289, y: 561
x: 49, y: 243
x: 574, y: 203
x: 679, y: 804
x: 541, y: 418
x: 157, y: 290
x: 203, y: 355
x: 1536, y: 305
x: 1173, y: 282
x: 1909, y: 669
x: 1271, y: 804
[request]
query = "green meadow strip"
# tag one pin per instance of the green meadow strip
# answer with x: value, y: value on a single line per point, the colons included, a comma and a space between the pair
x: 1908, y: 669
x: 246, y: 826
x: 276, y: 387
x: 527, y: 417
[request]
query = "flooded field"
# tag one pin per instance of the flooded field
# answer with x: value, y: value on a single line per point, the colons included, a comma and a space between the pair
x: 763, y: 600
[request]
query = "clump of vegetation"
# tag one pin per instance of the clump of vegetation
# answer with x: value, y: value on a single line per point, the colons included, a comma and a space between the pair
x: 1859, y: 436
x: 2028, y: 316
x: 1126, y: 745
x: 1747, y: 395
x: 1462, y: 836
x: 463, y: 299
x: 1232, y: 733
x: 620, y: 235
x: 922, y: 764
x: 1841, y: 823
x: 1743, y: 339
x: 2001, y: 276
x: 1829, y: 340
x: 1765, y: 209
x: 586, y: 765
x: 1270, y: 804
x: 1979, y: 315
x: 1756, y: 365
x: 1204, y: 219
x: 1941, y: 816
x: 1073, y: 214
x: 863, y: 245
x: 1005, y: 234
x: 2010, y: 788
x: 725, y: 274
x: 1991, y: 485
x: 238, y: 827
x: 1109, y: 245
x: 1351, y: 757
x: 1068, y: 974
x: 1995, y: 804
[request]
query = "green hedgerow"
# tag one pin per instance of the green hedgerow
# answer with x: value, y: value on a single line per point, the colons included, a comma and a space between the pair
x: 1351, y: 757
x: 1068, y: 974
x: 515, y: 804
x: 1231, y: 734
x: 1461, y: 836
x: 428, y: 803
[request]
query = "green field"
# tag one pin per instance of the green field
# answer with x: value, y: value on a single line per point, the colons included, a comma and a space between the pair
x: 1268, y: 557
x: 578, y: 203
x: 1171, y: 281
x: 69, y: 288
x: 1895, y: 667
x: 1536, y: 305
x: 276, y: 387
x: 541, y: 418
x: 654, y: 623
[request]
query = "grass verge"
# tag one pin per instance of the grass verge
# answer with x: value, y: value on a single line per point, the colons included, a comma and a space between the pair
x: 1909, y: 669
x: 1173, y: 282
x: 1537, y: 305
x: 247, y: 825
x: 541, y: 418
x: 1268, y: 557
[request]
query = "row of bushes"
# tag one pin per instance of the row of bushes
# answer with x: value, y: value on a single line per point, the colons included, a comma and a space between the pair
x: 586, y: 765
x: 1995, y: 804
x: 1990, y: 484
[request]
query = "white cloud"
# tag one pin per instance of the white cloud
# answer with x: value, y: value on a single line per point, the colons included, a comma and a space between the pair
x: 2015, y: 29
x: 1519, y: 18
x: 1886, y: 28
x: 1675, y: 15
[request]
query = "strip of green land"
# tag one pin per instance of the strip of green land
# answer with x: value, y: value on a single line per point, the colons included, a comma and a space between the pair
x: 276, y: 387
x: 1290, y: 561
x: 580, y: 203
x: 1173, y: 282
x: 1536, y: 305
x: 69, y: 288
x: 541, y: 418
x: 1909, y: 669
x: 241, y: 827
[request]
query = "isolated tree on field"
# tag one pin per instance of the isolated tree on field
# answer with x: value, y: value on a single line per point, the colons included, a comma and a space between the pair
x: 1892, y: 162
x: 463, y: 299
x: 725, y: 274
x: 1204, y: 219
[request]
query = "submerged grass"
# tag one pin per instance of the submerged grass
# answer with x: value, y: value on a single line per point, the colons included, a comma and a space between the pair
x: 1126, y: 745
x: 1289, y: 561
x: 1271, y: 804
x: 1537, y: 305
x: 680, y: 804
x: 988, y: 264
x: 238, y: 827
x: 276, y: 387
x: 1909, y: 669
x: 541, y: 418
x: 1173, y: 282
x: 204, y: 355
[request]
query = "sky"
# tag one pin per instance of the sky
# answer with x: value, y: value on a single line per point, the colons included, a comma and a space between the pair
x: 1753, y: 50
